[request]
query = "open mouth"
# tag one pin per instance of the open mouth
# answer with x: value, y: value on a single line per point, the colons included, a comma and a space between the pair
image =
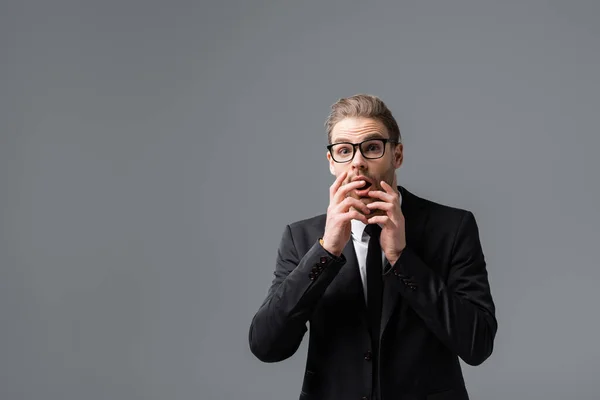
x: 365, y: 186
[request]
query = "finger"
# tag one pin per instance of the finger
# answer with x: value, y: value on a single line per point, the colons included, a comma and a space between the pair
x: 389, y: 189
x: 353, y: 214
x: 352, y: 202
x: 387, y: 212
x: 337, y: 183
x: 379, y: 219
x: 347, y: 188
x: 381, y: 205
x: 382, y: 195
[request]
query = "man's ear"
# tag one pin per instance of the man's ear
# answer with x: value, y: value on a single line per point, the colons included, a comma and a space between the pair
x: 398, y: 155
x: 331, y: 169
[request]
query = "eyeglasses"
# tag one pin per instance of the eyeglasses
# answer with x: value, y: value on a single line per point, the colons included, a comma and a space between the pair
x: 370, y: 149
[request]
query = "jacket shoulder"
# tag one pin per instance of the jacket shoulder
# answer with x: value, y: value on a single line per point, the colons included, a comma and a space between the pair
x: 304, y: 233
x: 438, y: 211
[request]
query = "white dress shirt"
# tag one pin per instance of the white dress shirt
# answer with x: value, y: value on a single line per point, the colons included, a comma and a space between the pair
x: 360, y: 238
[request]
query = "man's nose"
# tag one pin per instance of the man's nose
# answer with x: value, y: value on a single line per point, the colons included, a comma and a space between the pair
x: 359, y: 161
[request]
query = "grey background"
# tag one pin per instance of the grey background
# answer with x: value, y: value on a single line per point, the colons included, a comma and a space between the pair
x: 152, y: 152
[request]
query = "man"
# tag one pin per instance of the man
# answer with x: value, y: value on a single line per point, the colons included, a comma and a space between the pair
x: 393, y: 286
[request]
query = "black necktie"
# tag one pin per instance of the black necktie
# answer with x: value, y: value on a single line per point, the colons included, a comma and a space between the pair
x: 374, y: 282
x: 374, y: 296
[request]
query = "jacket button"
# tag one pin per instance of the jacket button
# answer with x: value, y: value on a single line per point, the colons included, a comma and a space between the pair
x: 364, y: 398
x: 368, y: 356
x: 323, y: 260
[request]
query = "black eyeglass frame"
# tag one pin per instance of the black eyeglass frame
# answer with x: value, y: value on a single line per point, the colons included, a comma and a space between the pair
x: 385, y: 141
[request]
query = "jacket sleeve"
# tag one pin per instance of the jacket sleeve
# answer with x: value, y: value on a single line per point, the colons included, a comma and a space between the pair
x: 459, y: 311
x: 278, y: 327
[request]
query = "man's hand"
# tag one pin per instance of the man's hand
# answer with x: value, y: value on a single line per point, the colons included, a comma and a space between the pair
x: 393, y: 236
x: 341, y: 210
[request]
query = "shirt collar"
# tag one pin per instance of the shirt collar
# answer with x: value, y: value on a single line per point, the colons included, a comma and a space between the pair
x: 358, y: 228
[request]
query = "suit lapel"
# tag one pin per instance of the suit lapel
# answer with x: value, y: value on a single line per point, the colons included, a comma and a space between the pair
x: 414, y: 219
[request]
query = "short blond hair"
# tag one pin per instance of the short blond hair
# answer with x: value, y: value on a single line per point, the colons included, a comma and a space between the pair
x: 362, y: 106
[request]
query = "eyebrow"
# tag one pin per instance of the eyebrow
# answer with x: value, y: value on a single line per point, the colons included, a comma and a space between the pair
x: 368, y: 137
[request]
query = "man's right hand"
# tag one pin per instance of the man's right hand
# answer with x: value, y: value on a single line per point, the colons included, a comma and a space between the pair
x: 341, y: 210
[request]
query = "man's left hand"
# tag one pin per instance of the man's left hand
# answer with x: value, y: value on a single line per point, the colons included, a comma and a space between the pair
x: 393, y: 236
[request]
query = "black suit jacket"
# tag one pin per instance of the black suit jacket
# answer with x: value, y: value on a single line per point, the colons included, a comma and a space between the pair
x: 437, y: 307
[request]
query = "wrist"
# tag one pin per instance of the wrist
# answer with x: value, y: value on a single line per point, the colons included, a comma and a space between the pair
x: 396, y: 257
x: 328, y: 248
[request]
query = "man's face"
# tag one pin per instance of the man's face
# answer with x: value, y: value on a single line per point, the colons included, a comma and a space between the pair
x: 356, y: 130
